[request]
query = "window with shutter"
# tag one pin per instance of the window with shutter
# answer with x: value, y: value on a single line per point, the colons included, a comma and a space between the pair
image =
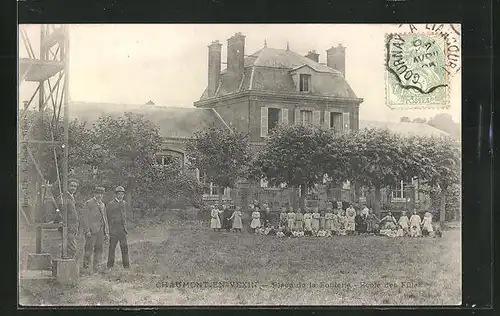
x: 327, y: 120
x: 273, y: 118
x: 284, y: 116
x: 297, y: 117
x: 316, y: 118
x: 306, y: 117
x: 346, y: 123
x: 263, y: 122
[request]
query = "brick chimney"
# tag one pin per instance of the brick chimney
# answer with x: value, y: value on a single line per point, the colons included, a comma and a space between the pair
x: 335, y: 58
x: 236, y: 56
x: 313, y: 56
x: 214, y: 61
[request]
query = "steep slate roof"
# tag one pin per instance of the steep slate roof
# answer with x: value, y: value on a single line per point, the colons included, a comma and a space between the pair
x: 174, y: 122
x: 271, y: 68
x: 406, y: 129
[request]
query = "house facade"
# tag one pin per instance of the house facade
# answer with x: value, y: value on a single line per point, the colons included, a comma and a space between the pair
x: 253, y: 95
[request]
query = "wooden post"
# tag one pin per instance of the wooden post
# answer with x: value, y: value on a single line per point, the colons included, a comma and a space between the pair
x: 65, y: 57
x: 41, y: 136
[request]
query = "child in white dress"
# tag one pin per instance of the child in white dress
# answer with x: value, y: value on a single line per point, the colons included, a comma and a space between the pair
x: 415, y: 225
x: 427, y: 228
x: 214, y: 219
x: 404, y: 223
x: 255, y: 220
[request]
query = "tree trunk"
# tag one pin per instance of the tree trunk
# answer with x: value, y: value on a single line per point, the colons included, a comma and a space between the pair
x: 442, y: 206
x: 376, y: 205
x: 302, y: 199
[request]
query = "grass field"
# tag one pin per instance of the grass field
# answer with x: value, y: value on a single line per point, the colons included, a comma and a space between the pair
x: 346, y: 270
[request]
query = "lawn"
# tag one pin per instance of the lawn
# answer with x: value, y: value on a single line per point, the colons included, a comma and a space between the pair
x: 241, y: 268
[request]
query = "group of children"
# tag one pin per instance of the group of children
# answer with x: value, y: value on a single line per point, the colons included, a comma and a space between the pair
x: 326, y: 223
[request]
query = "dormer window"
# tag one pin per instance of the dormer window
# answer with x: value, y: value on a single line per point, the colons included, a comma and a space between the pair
x: 305, y: 83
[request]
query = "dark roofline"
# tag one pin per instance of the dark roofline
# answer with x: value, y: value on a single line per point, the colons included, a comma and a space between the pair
x: 269, y: 94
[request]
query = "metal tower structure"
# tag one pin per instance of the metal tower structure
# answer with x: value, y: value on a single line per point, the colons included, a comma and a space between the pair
x: 47, y: 66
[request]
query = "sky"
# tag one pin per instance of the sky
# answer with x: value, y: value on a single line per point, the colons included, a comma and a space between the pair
x: 167, y: 63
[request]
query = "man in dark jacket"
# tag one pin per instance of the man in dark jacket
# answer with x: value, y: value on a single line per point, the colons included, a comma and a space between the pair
x: 116, y: 211
x: 95, y: 228
x: 68, y: 205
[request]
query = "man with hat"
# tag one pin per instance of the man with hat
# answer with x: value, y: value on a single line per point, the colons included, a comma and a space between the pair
x: 68, y: 205
x: 95, y: 228
x: 116, y: 211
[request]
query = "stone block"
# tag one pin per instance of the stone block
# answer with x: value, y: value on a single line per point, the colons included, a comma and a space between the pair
x: 65, y: 271
x: 39, y: 261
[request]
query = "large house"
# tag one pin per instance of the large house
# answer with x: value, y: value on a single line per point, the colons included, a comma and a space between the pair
x: 254, y: 94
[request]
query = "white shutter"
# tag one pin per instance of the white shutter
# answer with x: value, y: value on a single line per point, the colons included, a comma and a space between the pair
x: 346, y: 123
x: 327, y: 119
x: 284, y: 116
x: 263, y: 122
x: 316, y: 118
x: 297, y: 117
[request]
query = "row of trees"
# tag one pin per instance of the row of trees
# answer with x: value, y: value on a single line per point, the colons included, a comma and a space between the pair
x: 302, y: 157
x: 122, y: 150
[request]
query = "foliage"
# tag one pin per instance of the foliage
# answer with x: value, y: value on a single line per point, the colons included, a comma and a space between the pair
x: 115, y: 151
x: 79, y: 142
x: 377, y: 157
x: 405, y: 119
x: 295, y: 155
x: 222, y: 155
x: 453, y: 197
x: 444, y: 155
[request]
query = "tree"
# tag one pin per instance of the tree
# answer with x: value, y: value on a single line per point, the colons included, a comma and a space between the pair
x: 443, y: 156
x: 405, y: 119
x: 124, y: 150
x: 376, y: 159
x: 222, y: 155
x: 295, y: 155
x: 80, y: 142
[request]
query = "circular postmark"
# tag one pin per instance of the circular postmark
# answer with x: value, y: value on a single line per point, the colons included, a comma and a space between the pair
x: 451, y: 35
x: 417, y: 61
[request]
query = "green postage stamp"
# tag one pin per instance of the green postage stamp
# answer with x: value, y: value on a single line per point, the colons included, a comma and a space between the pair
x: 416, y: 74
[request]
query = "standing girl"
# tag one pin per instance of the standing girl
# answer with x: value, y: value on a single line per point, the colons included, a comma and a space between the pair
x: 236, y: 218
x: 315, y: 220
x: 415, y: 225
x: 427, y: 224
x: 283, y: 218
x: 350, y: 220
x: 299, y: 220
x: 255, y: 219
x: 322, y: 220
x: 307, y: 221
x: 215, y: 221
x: 372, y: 222
x: 291, y: 220
x: 404, y: 222
x: 328, y: 219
